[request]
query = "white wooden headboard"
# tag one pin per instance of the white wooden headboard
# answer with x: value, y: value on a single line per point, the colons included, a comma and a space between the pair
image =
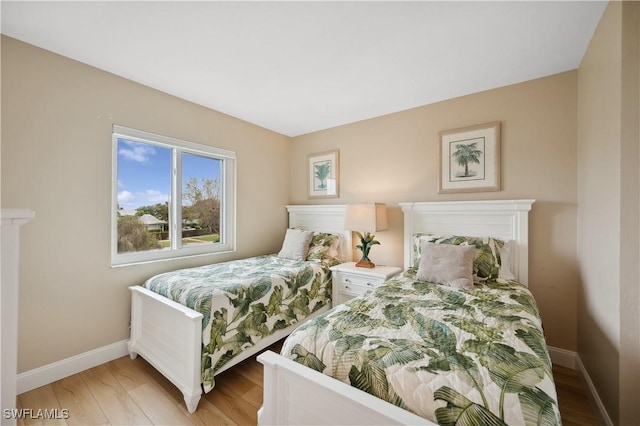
x: 323, y: 218
x: 503, y: 219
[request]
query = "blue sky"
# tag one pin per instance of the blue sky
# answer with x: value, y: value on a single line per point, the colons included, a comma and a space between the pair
x: 144, y: 173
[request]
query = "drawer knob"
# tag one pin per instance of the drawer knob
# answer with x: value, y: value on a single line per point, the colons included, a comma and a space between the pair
x: 347, y: 287
x: 369, y: 284
x: 347, y: 280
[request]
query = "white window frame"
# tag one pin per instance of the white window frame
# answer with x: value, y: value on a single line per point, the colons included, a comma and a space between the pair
x: 228, y: 198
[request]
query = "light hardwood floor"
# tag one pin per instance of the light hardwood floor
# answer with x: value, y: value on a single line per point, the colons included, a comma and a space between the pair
x: 131, y: 392
x: 572, y: 398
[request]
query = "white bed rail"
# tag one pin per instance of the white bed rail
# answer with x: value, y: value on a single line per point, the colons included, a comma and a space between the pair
x: 297, y: 395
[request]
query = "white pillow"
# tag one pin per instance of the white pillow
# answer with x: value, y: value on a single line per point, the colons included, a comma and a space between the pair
x: 447, y: 264
x: 505, y: 262
x: 296, y: 244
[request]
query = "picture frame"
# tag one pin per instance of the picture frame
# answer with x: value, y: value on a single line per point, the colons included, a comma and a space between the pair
x: 469, y: 159
x: 324, y: 174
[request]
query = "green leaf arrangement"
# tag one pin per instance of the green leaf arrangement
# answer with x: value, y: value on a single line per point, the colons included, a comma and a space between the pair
x: 366, y: 242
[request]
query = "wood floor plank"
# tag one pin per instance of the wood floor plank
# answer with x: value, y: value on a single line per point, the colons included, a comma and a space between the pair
x: 572, y: 398
x: 129, y: 372
x: 207, y: 414
x: 254, y: 397
x: 235, y: 382
x: 42, y: 398
x: 158, y: 406
x: 114, y: 400
x: 567, y: 379
x: 233, y: 406
x: 252, y: 370
x: 154, y: 375
x: 74, y: 395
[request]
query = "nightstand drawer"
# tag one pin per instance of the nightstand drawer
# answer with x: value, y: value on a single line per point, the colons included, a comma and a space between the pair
x: 357, y: 285
x: 350, y: 281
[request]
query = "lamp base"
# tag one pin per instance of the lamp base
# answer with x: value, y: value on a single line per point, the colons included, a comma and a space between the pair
x: 365, y: 264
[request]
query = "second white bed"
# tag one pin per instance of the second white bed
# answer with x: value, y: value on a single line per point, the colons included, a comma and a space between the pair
x: 294, y: 394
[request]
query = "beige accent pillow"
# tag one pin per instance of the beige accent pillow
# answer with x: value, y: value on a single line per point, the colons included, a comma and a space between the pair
x: 296, y: 244
x: 447, y: 264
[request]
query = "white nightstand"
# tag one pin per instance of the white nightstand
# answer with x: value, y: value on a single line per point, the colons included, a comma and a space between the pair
x: 350, y: 281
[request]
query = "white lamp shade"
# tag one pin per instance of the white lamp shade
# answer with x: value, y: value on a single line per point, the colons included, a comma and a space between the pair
x: 367, y: 217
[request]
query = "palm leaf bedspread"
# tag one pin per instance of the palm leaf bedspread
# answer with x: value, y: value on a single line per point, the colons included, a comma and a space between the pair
x: 244, y: 300
x: 450, y: 356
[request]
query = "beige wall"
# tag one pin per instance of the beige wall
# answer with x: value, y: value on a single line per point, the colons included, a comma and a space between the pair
x: 608, y: 215
x: 599, y: 209
x: 57, y: 117
x: 393, y: 158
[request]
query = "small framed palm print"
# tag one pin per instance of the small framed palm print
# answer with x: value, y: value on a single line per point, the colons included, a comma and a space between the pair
x: 469, y: 159
x: 324, y: 174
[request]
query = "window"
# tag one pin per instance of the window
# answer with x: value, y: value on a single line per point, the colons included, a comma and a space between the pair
x: 171, y: 198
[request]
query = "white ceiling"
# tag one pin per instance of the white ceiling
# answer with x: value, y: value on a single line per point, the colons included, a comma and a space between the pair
x: 298, y: 67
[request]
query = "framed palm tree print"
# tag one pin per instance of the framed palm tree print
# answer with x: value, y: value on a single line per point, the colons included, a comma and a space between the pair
x: 324, y: 175
x: 469, y: 159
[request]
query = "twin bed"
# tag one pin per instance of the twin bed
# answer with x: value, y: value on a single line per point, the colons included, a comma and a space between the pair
x: 411, y: 351
x: 414, y: 352
x: 190, y: 332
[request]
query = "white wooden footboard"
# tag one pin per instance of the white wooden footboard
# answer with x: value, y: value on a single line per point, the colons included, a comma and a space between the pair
x: 169, y: 336
x: 297, y: 395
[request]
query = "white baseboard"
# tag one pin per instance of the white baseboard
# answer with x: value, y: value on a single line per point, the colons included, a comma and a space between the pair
x: 593, y: 393
x: 563, y: 357
x: 570, y: 359
x: 59, y: 370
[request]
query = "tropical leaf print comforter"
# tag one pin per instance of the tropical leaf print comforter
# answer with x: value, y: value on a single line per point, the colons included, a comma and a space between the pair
x: 451, y: 356
x: 244, y: 300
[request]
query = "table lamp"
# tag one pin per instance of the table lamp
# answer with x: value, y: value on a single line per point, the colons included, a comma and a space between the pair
x: 363, y: 219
